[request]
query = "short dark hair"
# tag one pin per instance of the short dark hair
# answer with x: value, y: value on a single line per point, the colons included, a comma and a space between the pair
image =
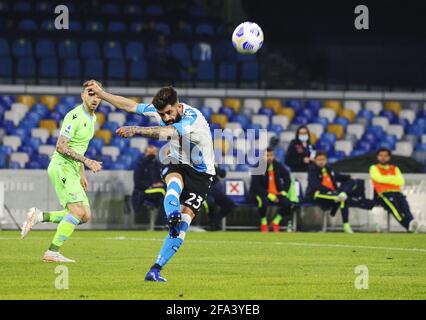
x: 384, y: 149
x: 269, y: 149
x: 86, y: 83
x: 164, y: 97
x: 320, y: 153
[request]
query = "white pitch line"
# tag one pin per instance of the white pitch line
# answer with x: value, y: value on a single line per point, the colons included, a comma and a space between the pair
x: 295, y: 244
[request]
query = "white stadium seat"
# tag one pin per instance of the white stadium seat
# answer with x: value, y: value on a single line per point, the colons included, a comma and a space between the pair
x: 403, y: 148
x: 397, y: 130
x: 147, y: 100
x: 287, y: 136
x: 13, y: 116
x: 112, y: 151
x: 282, y: 120
x: 329, y: 114
x: 374, y: 106
x: 252, y: 104
x: 381, y: 122
x: 355, y: 129
x: 261, y: 119
x: 117, y: 117
x: 139, y: 143
x: 316, y: 128
x: 20, y: 108
x: 214, y: 103
x: 408, y: 114
x: 41, y: 133
x: 354, y: 105
x: 46, y: 149
x: 424, y: 138
x: 21, y: 157
x: 56, y: 133
x: 344, y: 145
x: 233, y: 125
x: 12, y: 141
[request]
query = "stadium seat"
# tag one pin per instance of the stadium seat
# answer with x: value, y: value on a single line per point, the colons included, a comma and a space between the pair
x: 355, y: 129
x: 110, y: 8
x: 139, y: 143
x: 354, y: 105
x: 13, y: 116
x: 48, y: 124
x: 408, y: 114
x: 90, y: 50
x: 396, y: 129
x: 153, y: 10
x: 220, y: 119
x: 41, y: 133
x: 233, y: 103
x: 163, y: 27
x: 393, y: 106
x: 227, y: 71
x: 118, y: 117
x: 50, y: 101
x: 71, y: 69
x: 287, y: 136
x: 226, y: 111
x: 403, y: 148
x: 22, y: 48
x: 204, y: 29
x: 116, y: 27
x: 213, y: 103
x: 25, y: 67
x: 46, y: 149
x: 116, y: 70
x: 45, y: 48
x: 135, y: 50
x: 205, y: 71
x: 253, y: 104
x: 283, y: 121
x: 342, y: 121
x: 20, y: 157
x: 94, y: 26
x: 48, y: 25
x: 138, y: 70
x: 316, y: 128
x: 381, y: 121
x: 328, y: 113
x: 348, y: 114
x: 202, y: 51
x: 249, y: 71
x: 374, y: 106
x: 6, y: 70
x: 67, y: 49
x: 94, y: 69
x: 120, y: 143
x: 113, y: 50
x: 288, y: 112
x: 48, y: 68
x: 132, y: 9
x: 337, y: 130
x: 262, y: 120
x: 106, y: 135
x: 335, y: 105
x: 274, y: 104
x: 345, y: 146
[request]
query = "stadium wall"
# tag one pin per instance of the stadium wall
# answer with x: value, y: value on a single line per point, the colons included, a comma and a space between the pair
x: 110, y: 193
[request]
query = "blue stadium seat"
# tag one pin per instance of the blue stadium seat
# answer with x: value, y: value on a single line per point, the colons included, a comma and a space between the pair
x: 33, y: 165
x: 249, y: 71
x: 135, y: 50
x: 242, y: 168
x: 330, y: 137
x: 364, y: 146
x: 180, y: 51
x: 66, y: 103
x: 91, y: 153
x: 103, y: 108
x: 118, y: 166
x: 377, y: 131
x: 116, y: 70
x: 51, y: 141
x: 321, y: 120
x: 26, y: 67
x: 44, y: 6
x: 14, y: 165
x: 266, y: 111
x: 342, y: 121
x: 67, y: 49
x: 111, y: 126
x: 3, y: 160
x: 295, y: 104
x: 153, y: 10
x: 32, y: 142
x: 202, y: 52
x: 71, y: 68
x: 308, y: 113
x: 48, y: 25
x: 388, y: 114
x: 113, y: 50
x: 133, y: 152
x: 48, y: 68
x: 207, y: 112
x: 97, y: 144
x: 45, y: 48
x: 95, y: 26
x: 138, y: 70
x: 42, y: 159
x: 119, y: 143
x: 27, y: 25
x: 227, y: 71
x: 117, y: 27
x: 421, y: 147
x: 313, y: 105
x: 324, y: 145
x: 301, y: 120
x: 22, y: 6
x: 6, y: 64
x: 4, y: 48
x: 22, y: 48
x: 90, y: 50
x: 229, y: 112
x: 9, y: 126
x: 126, y: 161
x: 21, y: 132
x: 163, y: 28
x: 110, y: 8
x: 205, y: 71
x: 277, y: 128
x: 106, y: 162
x: 40, y: 109
x: 132, y: 9
x: 204, y: 29
x: 242, y: 119
x: 75, y: 26
x: 94, y: 69
x: 364, y: 113
x: 198, y: 11
x: 28, y: 149
x: 137, y: 27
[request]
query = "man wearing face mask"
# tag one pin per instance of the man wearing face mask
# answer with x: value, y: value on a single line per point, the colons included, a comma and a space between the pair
x: 147, y: 180
x: 300, y: 153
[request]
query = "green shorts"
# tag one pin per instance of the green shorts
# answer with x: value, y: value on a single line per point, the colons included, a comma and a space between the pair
x: 66, y: 181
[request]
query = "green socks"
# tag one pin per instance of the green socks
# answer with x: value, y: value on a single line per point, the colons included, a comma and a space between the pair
x: 54, y: 216
x: 64, y: 231
x: 263, y: 221
x: 277, y: 219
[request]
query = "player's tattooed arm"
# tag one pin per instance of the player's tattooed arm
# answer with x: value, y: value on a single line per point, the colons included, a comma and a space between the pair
x: 159, y: 133
x: 63, y: 148
x: 118, y: 101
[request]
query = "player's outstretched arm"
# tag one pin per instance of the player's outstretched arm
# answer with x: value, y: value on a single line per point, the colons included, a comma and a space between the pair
x: 63, y: 148
x: 118, y: 101
x: 159, y: 133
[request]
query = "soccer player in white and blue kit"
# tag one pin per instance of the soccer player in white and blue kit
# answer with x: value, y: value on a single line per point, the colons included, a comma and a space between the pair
x: 189, y: 165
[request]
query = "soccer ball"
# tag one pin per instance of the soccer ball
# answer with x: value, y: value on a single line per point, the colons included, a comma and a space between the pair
x: 247, y: 38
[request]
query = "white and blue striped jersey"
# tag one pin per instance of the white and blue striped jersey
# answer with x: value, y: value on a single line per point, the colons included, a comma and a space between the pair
x: 195, y: 145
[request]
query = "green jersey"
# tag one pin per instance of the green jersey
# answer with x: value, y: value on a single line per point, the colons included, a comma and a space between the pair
x: 79, y: 127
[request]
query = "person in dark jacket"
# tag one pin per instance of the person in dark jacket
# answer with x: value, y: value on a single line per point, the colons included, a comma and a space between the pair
x: 218, y: 198
x: 147, y: 180
x: 300, y: 153
x: 334, y: 190
x: 271, y: 188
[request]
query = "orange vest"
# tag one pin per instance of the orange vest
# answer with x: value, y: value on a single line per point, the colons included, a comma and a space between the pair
x: 326, y: 180
x: 385, y: 187
x: 272, y: 186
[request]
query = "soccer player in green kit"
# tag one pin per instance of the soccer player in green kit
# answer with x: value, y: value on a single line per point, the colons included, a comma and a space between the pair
x: 66, y: 172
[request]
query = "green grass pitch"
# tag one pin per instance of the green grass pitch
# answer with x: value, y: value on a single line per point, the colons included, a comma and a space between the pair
x: 221, y: 265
